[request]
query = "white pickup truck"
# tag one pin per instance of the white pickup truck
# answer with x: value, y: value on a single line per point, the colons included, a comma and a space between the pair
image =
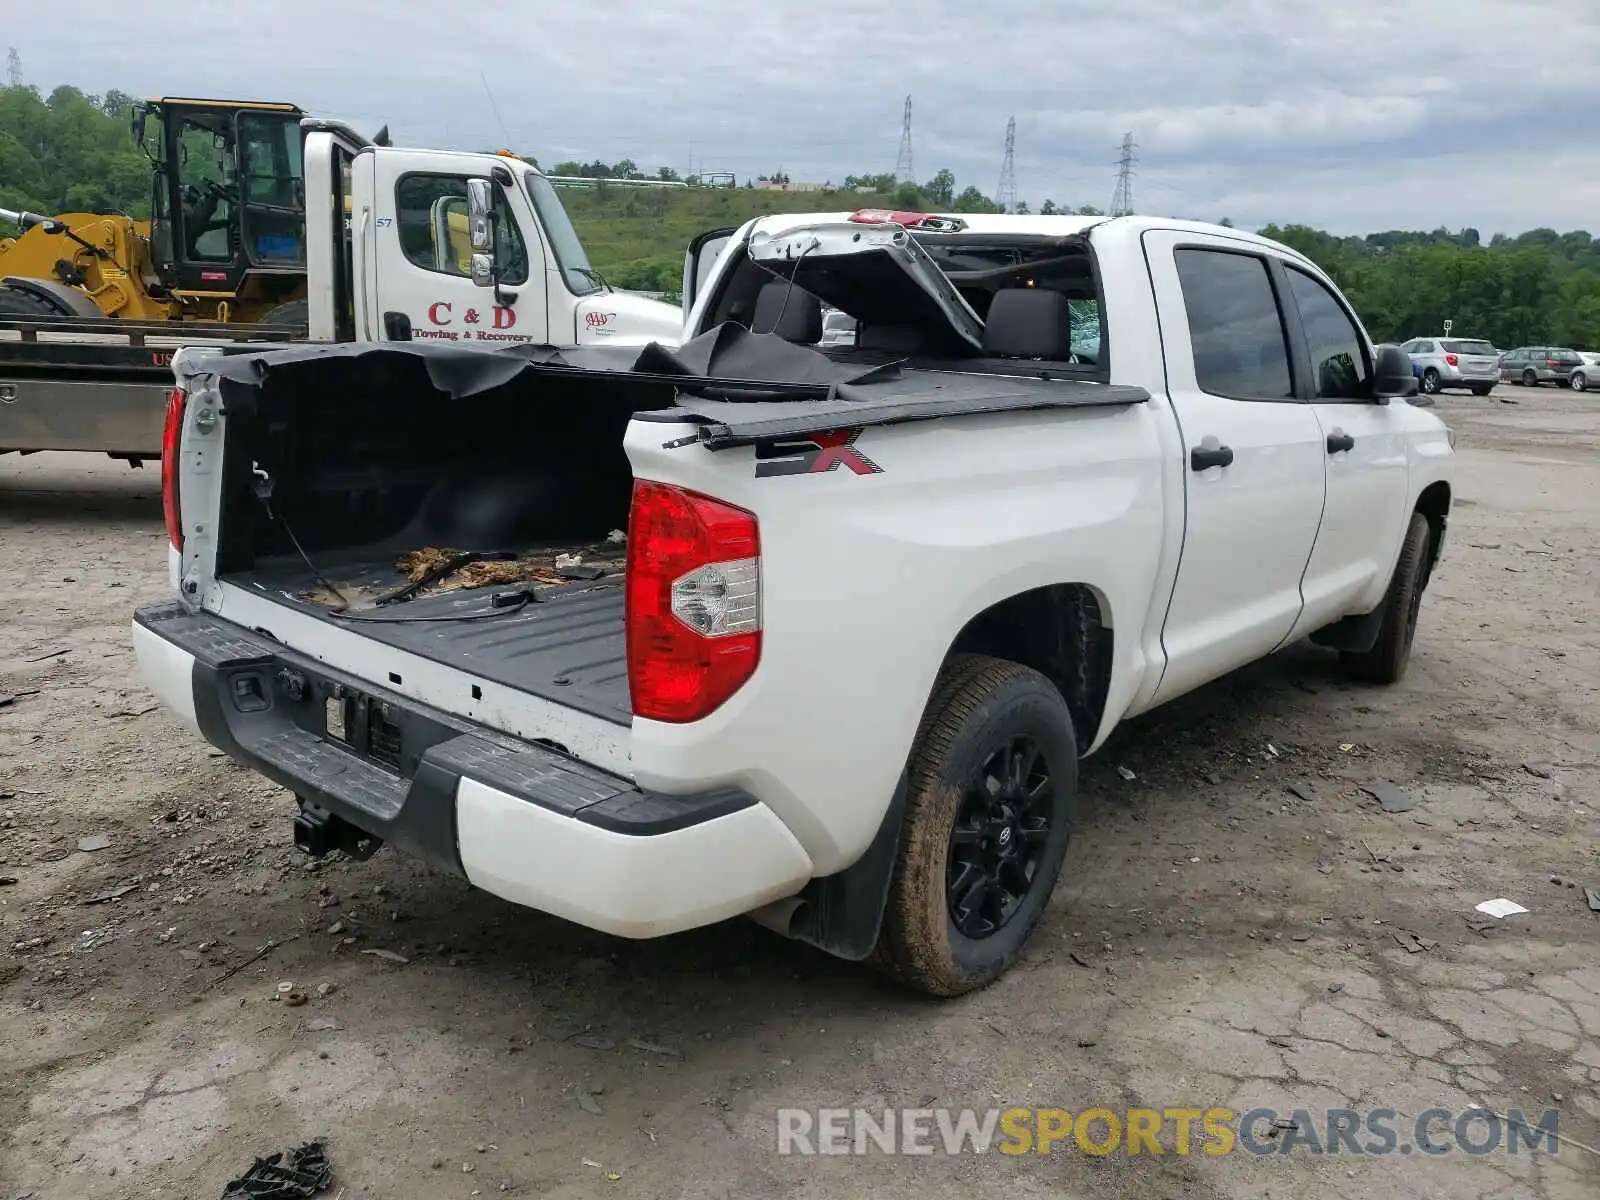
x: 874, y: 601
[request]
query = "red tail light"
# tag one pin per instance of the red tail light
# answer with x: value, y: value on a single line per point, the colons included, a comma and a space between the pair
x: 169, y: 466
x: 693, y: 600
x: 1451, y: 359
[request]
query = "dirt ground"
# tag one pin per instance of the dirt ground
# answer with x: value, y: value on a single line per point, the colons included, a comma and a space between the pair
x: 1217, y: 939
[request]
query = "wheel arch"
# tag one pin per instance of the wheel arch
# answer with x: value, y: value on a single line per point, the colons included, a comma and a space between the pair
x: 1434, y: 504
x: 1061, y: 630
x: 68, y: 302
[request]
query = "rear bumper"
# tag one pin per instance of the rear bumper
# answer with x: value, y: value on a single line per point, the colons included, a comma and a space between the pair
x: 1462, y: 376
x: 524, y: 821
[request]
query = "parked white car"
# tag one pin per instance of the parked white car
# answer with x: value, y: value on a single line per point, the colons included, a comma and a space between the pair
x: 875, y: 602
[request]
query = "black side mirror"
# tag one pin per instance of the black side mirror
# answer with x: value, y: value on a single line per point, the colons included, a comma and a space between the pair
x: 1392, y: 375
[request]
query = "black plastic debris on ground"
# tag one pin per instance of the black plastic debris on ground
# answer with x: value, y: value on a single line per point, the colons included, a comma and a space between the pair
x: 292, y: 1175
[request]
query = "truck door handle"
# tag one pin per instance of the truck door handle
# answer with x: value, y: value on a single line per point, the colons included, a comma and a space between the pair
x: 1202, y: 457
x: 1340, y: 440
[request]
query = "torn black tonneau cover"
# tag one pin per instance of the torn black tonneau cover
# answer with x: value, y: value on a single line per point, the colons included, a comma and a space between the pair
x: 741, y: 387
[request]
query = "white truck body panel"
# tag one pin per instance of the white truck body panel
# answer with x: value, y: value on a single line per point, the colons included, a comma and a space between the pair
x: 868, y: 579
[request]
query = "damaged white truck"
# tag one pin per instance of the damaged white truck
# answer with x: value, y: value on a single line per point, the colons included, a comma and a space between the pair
x: 755, y: 626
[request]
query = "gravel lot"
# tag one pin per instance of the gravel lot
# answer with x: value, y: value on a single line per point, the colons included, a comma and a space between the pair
x: 1216, y: 940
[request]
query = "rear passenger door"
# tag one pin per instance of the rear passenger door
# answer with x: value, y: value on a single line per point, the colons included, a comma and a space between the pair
x: 1368, y: 473
x: 1253, y: 455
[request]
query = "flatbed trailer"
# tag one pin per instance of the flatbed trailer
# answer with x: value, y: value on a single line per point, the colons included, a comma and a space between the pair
x: 100, y: 385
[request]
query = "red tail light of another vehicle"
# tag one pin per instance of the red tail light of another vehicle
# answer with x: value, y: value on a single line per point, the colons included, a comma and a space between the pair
x: 1451, y: 359
x: 693, y: 602
x: 170, y: 435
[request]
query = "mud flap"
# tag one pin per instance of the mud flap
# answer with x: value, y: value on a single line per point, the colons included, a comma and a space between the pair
x: 842, y: 913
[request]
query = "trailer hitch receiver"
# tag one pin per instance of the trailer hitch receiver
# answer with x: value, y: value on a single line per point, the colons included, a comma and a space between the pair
x: 318, y: 831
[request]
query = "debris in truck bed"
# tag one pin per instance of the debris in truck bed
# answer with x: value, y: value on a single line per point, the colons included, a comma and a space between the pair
x: 547, y: 568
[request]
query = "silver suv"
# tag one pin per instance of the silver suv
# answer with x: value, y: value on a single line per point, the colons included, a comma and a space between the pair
x: 1447, y: 362
x: 1588, y: 375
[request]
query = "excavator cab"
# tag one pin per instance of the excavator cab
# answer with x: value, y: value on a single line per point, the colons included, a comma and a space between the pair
x: 228, y: 210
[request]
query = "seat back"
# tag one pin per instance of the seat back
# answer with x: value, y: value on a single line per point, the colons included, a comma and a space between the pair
x: 792, y: 313
x: 1028, y: 323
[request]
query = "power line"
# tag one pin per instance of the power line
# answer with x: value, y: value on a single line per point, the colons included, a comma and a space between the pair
x: 1122, y: 198
x: 904, y: 171
x: 506, y: 133
x: 1006, y: 194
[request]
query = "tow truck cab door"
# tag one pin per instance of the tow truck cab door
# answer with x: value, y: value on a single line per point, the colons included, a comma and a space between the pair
x: 422, y: 257
x: 698, y: 262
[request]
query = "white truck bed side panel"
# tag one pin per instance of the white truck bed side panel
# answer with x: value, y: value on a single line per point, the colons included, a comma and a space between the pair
x: 867, y: 580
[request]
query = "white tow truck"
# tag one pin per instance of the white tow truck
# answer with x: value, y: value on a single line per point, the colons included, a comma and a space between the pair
x: 387, y: 257
x: 875, y: 600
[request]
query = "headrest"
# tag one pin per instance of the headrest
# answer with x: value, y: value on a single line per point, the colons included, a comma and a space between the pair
x: 1028, y: 323
x: 792, y: 313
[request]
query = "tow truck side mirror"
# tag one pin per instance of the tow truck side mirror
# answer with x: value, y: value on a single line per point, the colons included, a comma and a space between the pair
x: 480, y: 230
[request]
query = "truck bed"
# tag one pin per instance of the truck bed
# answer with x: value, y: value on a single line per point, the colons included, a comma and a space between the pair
x: 567, y: 647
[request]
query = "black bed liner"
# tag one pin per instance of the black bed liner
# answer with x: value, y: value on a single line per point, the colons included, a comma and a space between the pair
x: 567, y: 647
x: 740, y: 387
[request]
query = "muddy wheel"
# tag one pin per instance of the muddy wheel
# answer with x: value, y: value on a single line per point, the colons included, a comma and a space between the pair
x: 993, y: 775
x: 1387, y: 660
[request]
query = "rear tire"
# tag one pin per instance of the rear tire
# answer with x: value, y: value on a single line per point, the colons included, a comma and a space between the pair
x: 993, y: 776
x: 1579, y: 382
x: 1430, y: 382
x: 1386, y: 662
x: 1482, y: 389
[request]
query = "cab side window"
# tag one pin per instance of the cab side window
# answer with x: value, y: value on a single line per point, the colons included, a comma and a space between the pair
x: 1340, y: 367
x: 431, y: 220
x: 1235, y: 328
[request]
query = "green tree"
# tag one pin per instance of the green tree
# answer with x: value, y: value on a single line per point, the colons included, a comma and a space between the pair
x: 972, y: 200
x: 941, y: 189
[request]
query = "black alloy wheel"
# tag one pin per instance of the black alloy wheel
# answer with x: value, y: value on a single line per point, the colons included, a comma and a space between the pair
x: 998, y: 841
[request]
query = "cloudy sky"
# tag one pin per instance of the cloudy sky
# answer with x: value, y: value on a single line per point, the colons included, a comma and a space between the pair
x: 1351, y: 116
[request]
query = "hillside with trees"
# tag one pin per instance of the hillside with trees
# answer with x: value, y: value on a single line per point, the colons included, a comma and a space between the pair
x: 72, y: 151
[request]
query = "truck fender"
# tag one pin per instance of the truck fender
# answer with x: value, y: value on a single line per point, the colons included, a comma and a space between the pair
x: 68, y: 301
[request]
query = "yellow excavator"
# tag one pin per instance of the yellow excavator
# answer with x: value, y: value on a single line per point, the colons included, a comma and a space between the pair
x: 226, y: 240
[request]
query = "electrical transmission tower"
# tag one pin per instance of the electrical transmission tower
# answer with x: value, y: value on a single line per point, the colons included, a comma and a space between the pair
x: 1006, y: 194
x: 14, y: 69
x: 1122, y: 198
x: 904, y: 171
